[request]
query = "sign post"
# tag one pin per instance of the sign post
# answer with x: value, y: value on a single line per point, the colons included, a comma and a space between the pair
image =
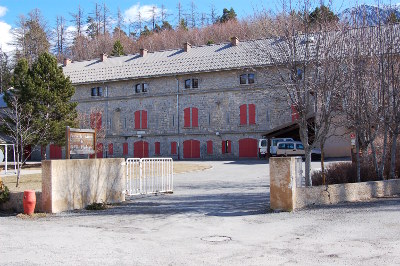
x: 80, y: 141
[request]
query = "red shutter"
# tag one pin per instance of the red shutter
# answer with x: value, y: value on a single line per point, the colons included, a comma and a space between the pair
x: 243, y: 114
x: 229, y: 146
x: 125, y: 149
x: 295, y: 113
x: 110, y: 149
x: 195, y: 117
x: 95, y: 121
x: 223, y: 147
x: 137, y: 120
x: 173, y: 148
x: 209, y: 147
x: 252, y: 114
x: 186, y: 115
x: 100, y: 150
x: 157, y: 148
x: 144, y: 119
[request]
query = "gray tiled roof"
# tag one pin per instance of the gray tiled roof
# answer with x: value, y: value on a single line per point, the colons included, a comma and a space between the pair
x: 171, y: 62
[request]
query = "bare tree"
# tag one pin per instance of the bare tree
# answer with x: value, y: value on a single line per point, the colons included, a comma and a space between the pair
x: 60, y: 37
x: 78, y: 21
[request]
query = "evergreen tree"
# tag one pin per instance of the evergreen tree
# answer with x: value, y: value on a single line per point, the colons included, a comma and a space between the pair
x: 145, y: 32
x: 118, y: 49
x: 392, y: 18
x: 166, y: 26
x: 322, y: 14
x: 49, y: 93
x: 227, y: 15
x: 183, y: 25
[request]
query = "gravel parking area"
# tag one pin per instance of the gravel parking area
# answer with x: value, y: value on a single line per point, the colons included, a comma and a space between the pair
x: 219, y: 216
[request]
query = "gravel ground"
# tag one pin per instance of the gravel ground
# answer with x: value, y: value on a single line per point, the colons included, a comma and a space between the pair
x: 219, y: 216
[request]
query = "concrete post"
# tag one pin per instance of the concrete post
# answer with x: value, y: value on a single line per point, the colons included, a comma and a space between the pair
x: 282, y: 172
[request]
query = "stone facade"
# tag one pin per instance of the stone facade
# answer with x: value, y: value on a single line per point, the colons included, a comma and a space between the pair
x: 218, y: 99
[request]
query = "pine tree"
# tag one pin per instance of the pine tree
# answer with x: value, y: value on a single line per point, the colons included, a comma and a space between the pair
x: 228, y: 15
x: 50, y: 95
x: 118, y: 49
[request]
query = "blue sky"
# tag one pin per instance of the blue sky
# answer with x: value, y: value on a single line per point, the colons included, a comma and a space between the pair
x: 11, y: 9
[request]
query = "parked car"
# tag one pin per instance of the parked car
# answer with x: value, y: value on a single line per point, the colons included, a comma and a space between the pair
x: 274, y: 144
x: 295, y: 148
x: 262, y: 148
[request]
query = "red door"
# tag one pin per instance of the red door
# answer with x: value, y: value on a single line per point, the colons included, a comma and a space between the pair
x: 55, y: 152
x: 141, y: 149
x: 248, y: 148
x: 191, y: 149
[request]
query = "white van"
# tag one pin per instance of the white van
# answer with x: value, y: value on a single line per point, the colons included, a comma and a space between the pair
x: 295, y: 148
x: 274, y: 144
x: 262, y: 148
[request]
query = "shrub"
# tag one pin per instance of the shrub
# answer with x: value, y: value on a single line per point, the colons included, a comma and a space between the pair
x: 4, y: 193
x: 340, y: 173
x: 97, y: 206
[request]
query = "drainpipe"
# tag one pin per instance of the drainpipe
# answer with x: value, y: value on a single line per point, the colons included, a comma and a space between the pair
x: 177, y: 112
x: 105, y: 147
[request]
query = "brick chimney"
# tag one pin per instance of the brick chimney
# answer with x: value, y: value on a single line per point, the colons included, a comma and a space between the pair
x: 103, y: 57
x: 67, y: 61
x: 234, y: 41
x: 143, y: 52
x: 187, y: 46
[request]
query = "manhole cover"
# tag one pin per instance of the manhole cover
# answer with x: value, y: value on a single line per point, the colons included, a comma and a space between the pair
x: 216, y: 239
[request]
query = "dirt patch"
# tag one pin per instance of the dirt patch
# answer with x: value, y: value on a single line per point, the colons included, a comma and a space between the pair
x: 30, y: 181
x: 33, y: 216
x: 183, y: 167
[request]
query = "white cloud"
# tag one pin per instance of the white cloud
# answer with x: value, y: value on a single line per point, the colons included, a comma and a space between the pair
x: 6, y: 37
x: 3, y: 11
x: 146, y: 13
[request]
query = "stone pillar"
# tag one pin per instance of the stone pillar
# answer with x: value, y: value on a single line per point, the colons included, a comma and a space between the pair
x: 282, y: 172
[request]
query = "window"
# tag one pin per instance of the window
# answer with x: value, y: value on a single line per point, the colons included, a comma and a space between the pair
x: 95, y: 121
x: 191, y: 83
x: 209, y: 147
x: 264, y: 143
x: 125, y: 148
x: 247, y: 114
x: 247, y: 78
x: 191, y: 117
x: 141, y: 119
x: 173, y: 147
x: 226, y: 146
x: 97, y: 91
x: 299, y: 74
x: 110, y: 149
x: 141, y: 87
x: 157, y: 149
x: 299, y: 146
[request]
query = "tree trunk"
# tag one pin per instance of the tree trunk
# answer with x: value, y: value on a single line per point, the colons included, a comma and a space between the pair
x: 308, y: 167
x: 393, y: 152
x: 323, y: 165
x: 358, y: 161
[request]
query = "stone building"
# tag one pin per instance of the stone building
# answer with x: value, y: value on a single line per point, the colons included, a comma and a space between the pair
x: 208, y: 102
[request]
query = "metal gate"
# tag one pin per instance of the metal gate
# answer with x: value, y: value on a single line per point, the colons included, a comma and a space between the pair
x: 149, y: 175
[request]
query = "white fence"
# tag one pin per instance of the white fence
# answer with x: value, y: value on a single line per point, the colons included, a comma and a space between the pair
x: 149, y: 175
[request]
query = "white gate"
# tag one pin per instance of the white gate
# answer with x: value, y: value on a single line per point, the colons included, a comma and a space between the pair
x: 149, y: 175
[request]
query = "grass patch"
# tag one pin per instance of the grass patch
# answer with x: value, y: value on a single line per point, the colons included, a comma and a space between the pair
x: 26, y: 182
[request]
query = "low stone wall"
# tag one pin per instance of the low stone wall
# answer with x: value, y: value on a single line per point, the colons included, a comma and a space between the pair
x: 15, y: 204
x: 286, y: 194
x: 350, y: 192
x: 74, y: 184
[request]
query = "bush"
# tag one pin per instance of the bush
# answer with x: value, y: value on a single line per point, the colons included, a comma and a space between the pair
x: 4, y: 193
x: 340, y: 173
x: 97, y: 206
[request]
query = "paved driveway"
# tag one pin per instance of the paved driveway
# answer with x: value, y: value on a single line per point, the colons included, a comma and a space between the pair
x: 217, y: 217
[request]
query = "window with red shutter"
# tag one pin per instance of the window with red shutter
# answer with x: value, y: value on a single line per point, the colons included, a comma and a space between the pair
x: 195, y: 117
x: 95, y: 121
x: 209, y: 147
x: 157, y: 150
x: 144, y: 119
x: 252, y: 114
x: 295, y: 113
x: 226, y: 146
x: 173, y: 147
x: 243, y: 114
x: 110, y: 149
x: 186, y: 116
x: 137, y: 120
x: 125, y: 148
